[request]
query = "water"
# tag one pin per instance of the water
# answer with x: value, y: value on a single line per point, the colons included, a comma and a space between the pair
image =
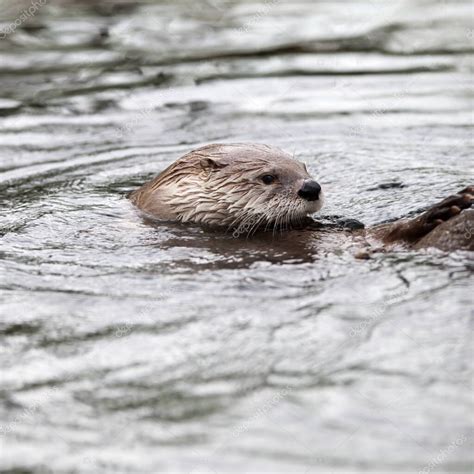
x: 130, y: 347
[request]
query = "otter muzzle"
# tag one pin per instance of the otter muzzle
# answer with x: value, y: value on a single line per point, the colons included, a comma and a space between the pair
x: 310, y: 190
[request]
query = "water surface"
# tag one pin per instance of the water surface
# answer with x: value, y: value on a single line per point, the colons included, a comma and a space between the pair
x: 130, y: 347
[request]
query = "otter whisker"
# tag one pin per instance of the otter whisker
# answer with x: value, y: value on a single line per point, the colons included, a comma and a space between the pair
x: 256, y: 226
x: 287, y: 219
x: 277, y: 221
x: 242, y: 219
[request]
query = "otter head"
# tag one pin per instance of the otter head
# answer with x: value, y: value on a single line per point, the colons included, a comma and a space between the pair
x: 242, y: 187
x: 254, y: 186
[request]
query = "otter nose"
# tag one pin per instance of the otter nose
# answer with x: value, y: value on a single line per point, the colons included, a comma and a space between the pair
x: 310, y: 190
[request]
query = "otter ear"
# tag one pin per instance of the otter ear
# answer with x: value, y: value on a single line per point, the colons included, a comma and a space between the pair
x: 210, y: 164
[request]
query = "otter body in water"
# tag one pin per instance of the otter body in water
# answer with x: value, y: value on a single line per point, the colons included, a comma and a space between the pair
x: 232, y: 186
x: 251, y: 187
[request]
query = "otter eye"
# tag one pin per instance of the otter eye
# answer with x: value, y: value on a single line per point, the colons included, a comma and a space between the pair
x: 268, y: 178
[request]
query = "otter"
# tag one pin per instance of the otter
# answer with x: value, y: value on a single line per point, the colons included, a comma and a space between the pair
x: 259, y: 187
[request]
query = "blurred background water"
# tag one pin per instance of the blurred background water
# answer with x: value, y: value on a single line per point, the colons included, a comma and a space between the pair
x: 126, y: 347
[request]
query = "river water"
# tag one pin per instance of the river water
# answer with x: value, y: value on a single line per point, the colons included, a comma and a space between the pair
x: 130, y: 347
